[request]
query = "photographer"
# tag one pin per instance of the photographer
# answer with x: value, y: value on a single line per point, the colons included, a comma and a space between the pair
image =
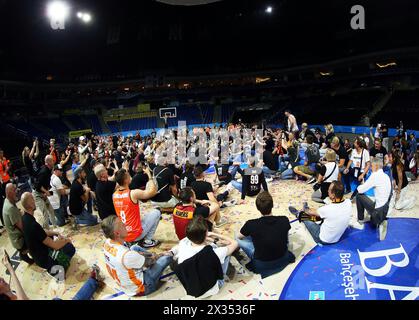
x: 360, y: 158
x: 336, y: 216
x: 328, y: 173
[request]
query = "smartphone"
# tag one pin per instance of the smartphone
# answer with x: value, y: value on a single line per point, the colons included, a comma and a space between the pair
x: 7, y: 256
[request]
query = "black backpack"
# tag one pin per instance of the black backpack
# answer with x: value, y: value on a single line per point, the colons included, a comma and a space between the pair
x: 313, y: 154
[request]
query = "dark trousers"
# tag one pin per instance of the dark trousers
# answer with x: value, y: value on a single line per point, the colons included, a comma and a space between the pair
x: 346, y: 179
x: 268, y: 268
x: 223, y: 196
x: 363, y: 203
x: 61, y: 258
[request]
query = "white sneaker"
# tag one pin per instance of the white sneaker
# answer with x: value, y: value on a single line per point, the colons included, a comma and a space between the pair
x: 269, y: 179
x: 311, y: 180
x: 360, y: 225
x: 229, y: 203
x: 383, y: 230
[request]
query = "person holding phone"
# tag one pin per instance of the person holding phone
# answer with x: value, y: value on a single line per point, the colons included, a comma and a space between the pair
x: 86, y: 292
x: 6, y: 292
x: 41, y: 193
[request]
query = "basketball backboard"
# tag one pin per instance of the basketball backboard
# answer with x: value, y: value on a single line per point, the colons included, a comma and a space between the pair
x: 168, y: 112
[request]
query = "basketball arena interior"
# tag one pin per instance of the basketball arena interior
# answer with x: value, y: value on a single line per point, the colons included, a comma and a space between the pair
x: 89, y: 91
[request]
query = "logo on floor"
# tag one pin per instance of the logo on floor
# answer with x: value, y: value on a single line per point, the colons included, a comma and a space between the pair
x: 360, y: 267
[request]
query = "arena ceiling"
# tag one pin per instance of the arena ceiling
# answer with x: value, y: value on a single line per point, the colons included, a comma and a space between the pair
x: 131, y: 38
x: 187, y: 2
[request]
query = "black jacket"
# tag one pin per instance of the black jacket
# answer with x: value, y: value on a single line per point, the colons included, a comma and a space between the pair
x: 200, y: 273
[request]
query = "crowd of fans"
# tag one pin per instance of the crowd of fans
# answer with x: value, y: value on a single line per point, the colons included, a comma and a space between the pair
x: 106, y: 179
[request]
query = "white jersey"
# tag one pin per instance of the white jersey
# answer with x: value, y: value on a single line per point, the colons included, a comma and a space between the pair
x: 56, y: 185
x: 125, y: 267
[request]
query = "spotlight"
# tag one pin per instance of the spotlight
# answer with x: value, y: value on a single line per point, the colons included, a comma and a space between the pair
x: 58, y: 10
x: 84, y: 16
x: 269, y: 9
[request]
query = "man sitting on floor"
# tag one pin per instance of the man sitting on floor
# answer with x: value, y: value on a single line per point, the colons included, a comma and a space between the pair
x: 308, y: 170
x: 13, y: 223
x: 377, y: 209
x: 197, y: 239
x: 48, y: 249
x: 204, y: 191
x: 253, y: 180
x: 166, y: 184
x: 265, y: 240
x: 135, y: 270
x: 336, y: 216
x: 79, y: 196
x: 188, y: 208
x: 141, y: 227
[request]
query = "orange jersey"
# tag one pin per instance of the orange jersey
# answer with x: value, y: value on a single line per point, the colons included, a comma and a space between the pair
x: 181, y: 217
x: 129, y: 213
x: 125, y: 267
x: 4, y: 163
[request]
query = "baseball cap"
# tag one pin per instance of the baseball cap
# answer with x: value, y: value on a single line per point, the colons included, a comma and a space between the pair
x: 58, y: 167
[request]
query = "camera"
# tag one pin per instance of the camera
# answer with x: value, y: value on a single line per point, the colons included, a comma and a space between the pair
x: 316, y: 186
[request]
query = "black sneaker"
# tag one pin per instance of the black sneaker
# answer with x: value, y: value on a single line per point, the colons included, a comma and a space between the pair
x: 26, y: 258
x: 293, y: 210
x: 238, y: 255
x: 173, y: 265
x: 231, y: 271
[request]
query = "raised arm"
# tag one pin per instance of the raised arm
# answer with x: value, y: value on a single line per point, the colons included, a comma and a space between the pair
x: 20, y: 293
x: 150, y: 189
